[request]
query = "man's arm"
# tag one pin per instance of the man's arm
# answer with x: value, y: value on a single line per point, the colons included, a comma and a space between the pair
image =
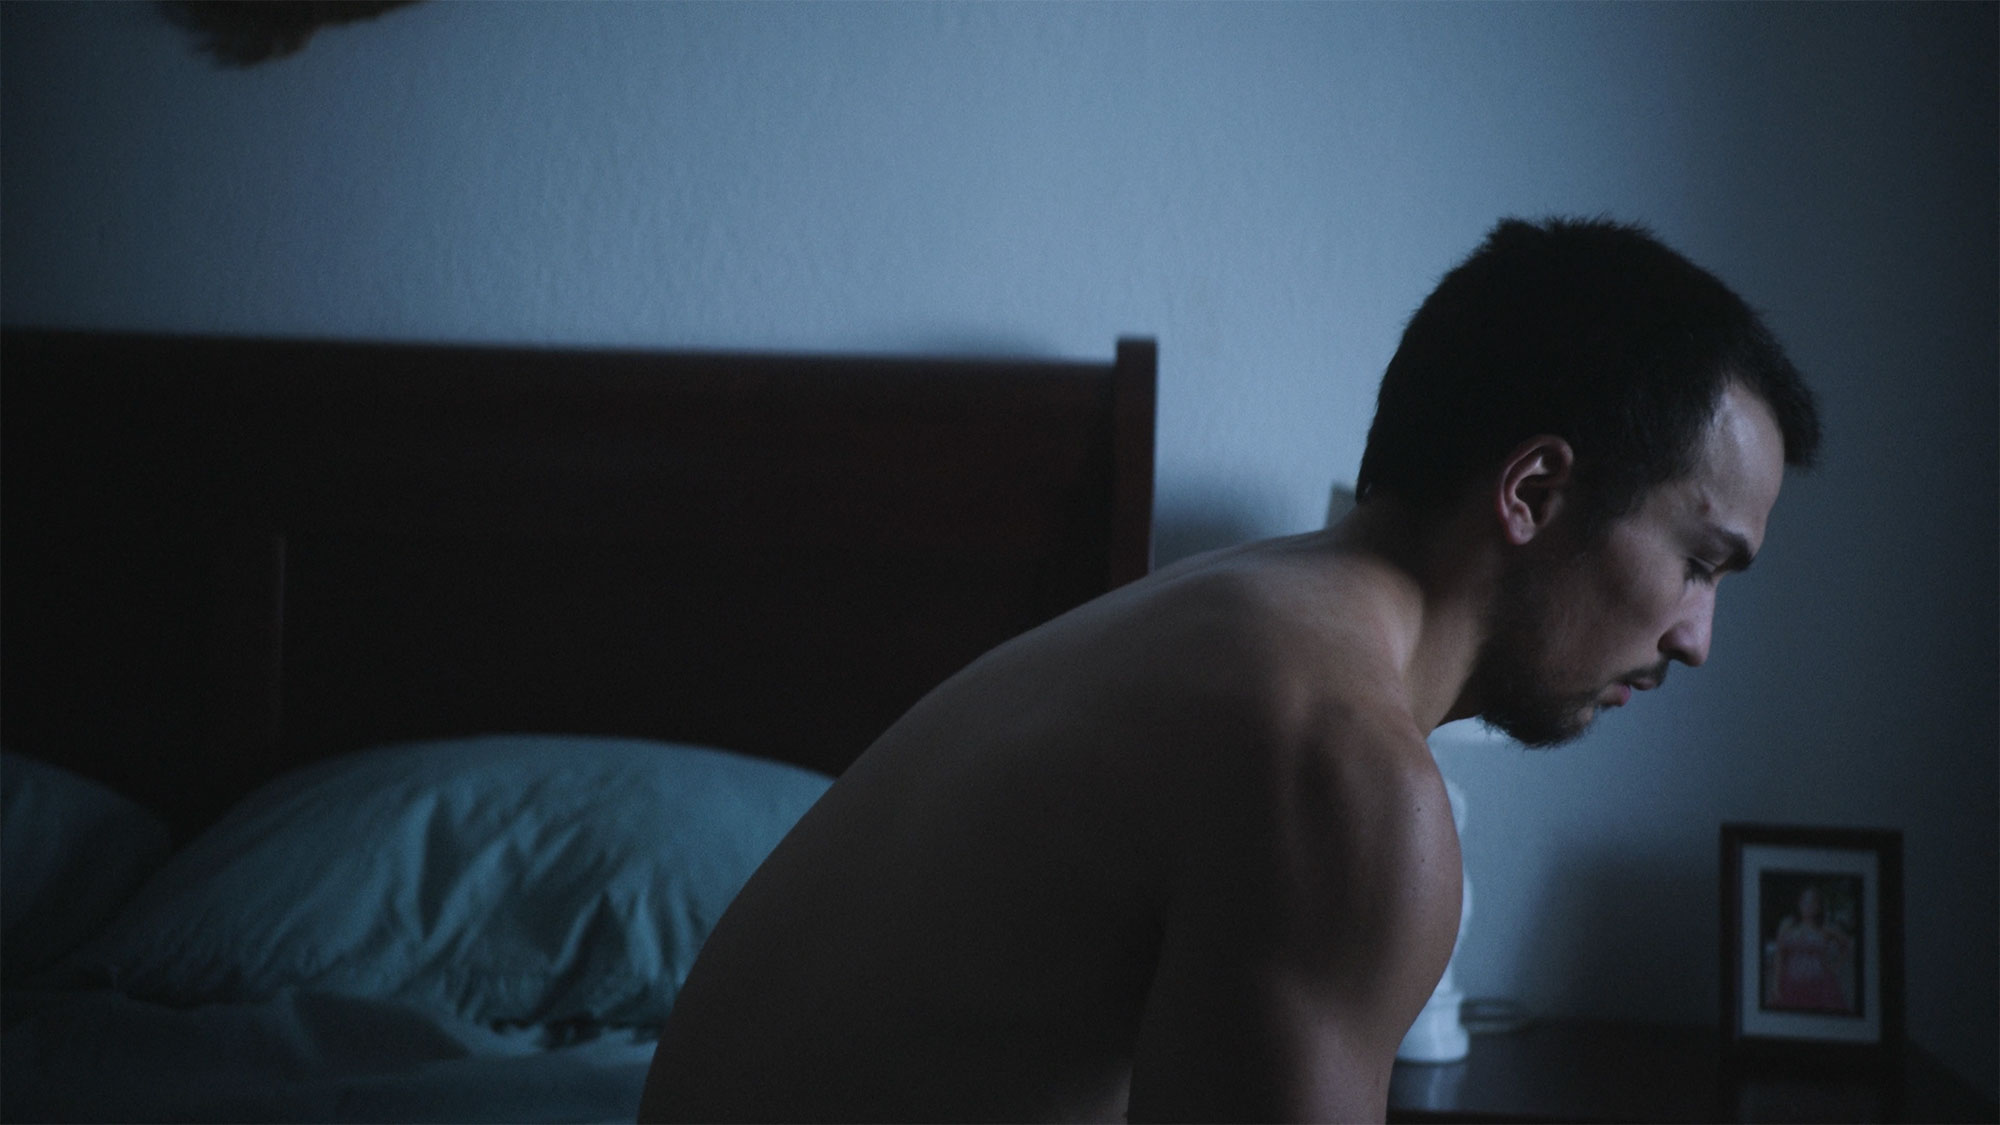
x: 1295, y: 958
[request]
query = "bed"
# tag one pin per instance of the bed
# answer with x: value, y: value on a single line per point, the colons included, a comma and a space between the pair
x: 384, y: 725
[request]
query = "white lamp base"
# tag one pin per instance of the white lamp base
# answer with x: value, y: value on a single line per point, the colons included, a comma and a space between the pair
x: 1437, y: 1036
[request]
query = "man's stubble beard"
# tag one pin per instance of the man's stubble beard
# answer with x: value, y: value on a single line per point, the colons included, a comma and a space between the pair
x: 1510, y: 675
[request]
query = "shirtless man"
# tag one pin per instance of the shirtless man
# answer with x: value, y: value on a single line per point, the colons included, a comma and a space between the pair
x: 1183, y: 852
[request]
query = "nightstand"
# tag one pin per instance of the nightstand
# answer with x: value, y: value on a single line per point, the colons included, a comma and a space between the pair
x: 1578, y: 1070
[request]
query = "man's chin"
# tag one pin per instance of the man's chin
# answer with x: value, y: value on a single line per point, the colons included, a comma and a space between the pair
x: 1544, y: 732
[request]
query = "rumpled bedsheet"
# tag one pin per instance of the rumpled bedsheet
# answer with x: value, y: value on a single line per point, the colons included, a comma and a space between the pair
x: 304, y: 1056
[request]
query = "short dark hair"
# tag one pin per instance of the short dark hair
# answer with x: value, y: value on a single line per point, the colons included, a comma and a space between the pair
x: 1587, y: 329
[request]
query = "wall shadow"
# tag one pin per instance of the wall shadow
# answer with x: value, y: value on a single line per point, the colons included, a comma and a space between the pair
x: 1616, y: 937
x: 1190, y: 521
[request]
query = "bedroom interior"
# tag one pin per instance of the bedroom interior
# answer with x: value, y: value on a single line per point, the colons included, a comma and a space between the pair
x: 427, y: 347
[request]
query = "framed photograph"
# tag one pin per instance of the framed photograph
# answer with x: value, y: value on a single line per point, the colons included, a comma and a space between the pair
x: 1812, y: 942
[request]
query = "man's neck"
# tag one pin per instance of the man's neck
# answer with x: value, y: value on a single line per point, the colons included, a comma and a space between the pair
x: 1433, y: 582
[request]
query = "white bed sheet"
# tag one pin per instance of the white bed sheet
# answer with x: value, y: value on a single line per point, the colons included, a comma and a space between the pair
x: 302, y: 1056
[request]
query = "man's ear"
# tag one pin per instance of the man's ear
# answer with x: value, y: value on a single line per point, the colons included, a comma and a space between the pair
x: 1534, y: 483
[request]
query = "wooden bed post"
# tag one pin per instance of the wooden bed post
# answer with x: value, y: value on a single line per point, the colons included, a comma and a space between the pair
x: 1134, y: 388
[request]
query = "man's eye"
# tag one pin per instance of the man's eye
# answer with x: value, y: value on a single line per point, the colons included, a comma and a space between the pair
x: 1699, y: 571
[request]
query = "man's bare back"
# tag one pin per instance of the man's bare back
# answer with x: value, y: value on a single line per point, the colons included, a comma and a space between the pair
x: 1179, y: 846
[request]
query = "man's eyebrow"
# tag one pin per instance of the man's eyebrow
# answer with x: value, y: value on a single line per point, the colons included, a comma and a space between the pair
x: 1740, y: 555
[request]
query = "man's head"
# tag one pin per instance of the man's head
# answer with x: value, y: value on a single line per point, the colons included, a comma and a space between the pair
x: 1625, y: 419
x: 1591, y: 331
x: 1579, y: 620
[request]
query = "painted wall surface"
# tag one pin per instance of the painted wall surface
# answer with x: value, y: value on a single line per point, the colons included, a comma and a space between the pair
x: 1267, y: 188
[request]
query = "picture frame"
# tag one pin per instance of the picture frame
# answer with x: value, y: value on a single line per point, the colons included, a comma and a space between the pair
x: 1812, y: 944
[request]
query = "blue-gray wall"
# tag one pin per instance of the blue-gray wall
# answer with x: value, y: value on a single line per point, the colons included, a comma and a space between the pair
x: 1270, y: 189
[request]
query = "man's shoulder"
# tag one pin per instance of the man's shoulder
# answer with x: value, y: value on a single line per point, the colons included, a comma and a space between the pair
x: 1255, y: 639
x: 1254, y: 602
x: 1313, y: 708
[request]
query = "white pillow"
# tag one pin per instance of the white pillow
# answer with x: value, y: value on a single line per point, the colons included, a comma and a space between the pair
x: 509, y: 878
x: 71, y: 853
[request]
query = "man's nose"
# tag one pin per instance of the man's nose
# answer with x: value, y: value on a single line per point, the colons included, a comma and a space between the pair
x: 1688, y: 640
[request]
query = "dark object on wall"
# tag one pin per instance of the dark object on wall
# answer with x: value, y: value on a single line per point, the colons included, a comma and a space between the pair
x: 247, y: 32
x: 1812, y: 944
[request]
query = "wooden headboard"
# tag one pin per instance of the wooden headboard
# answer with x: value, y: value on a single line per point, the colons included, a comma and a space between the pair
x: 222, y: 558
